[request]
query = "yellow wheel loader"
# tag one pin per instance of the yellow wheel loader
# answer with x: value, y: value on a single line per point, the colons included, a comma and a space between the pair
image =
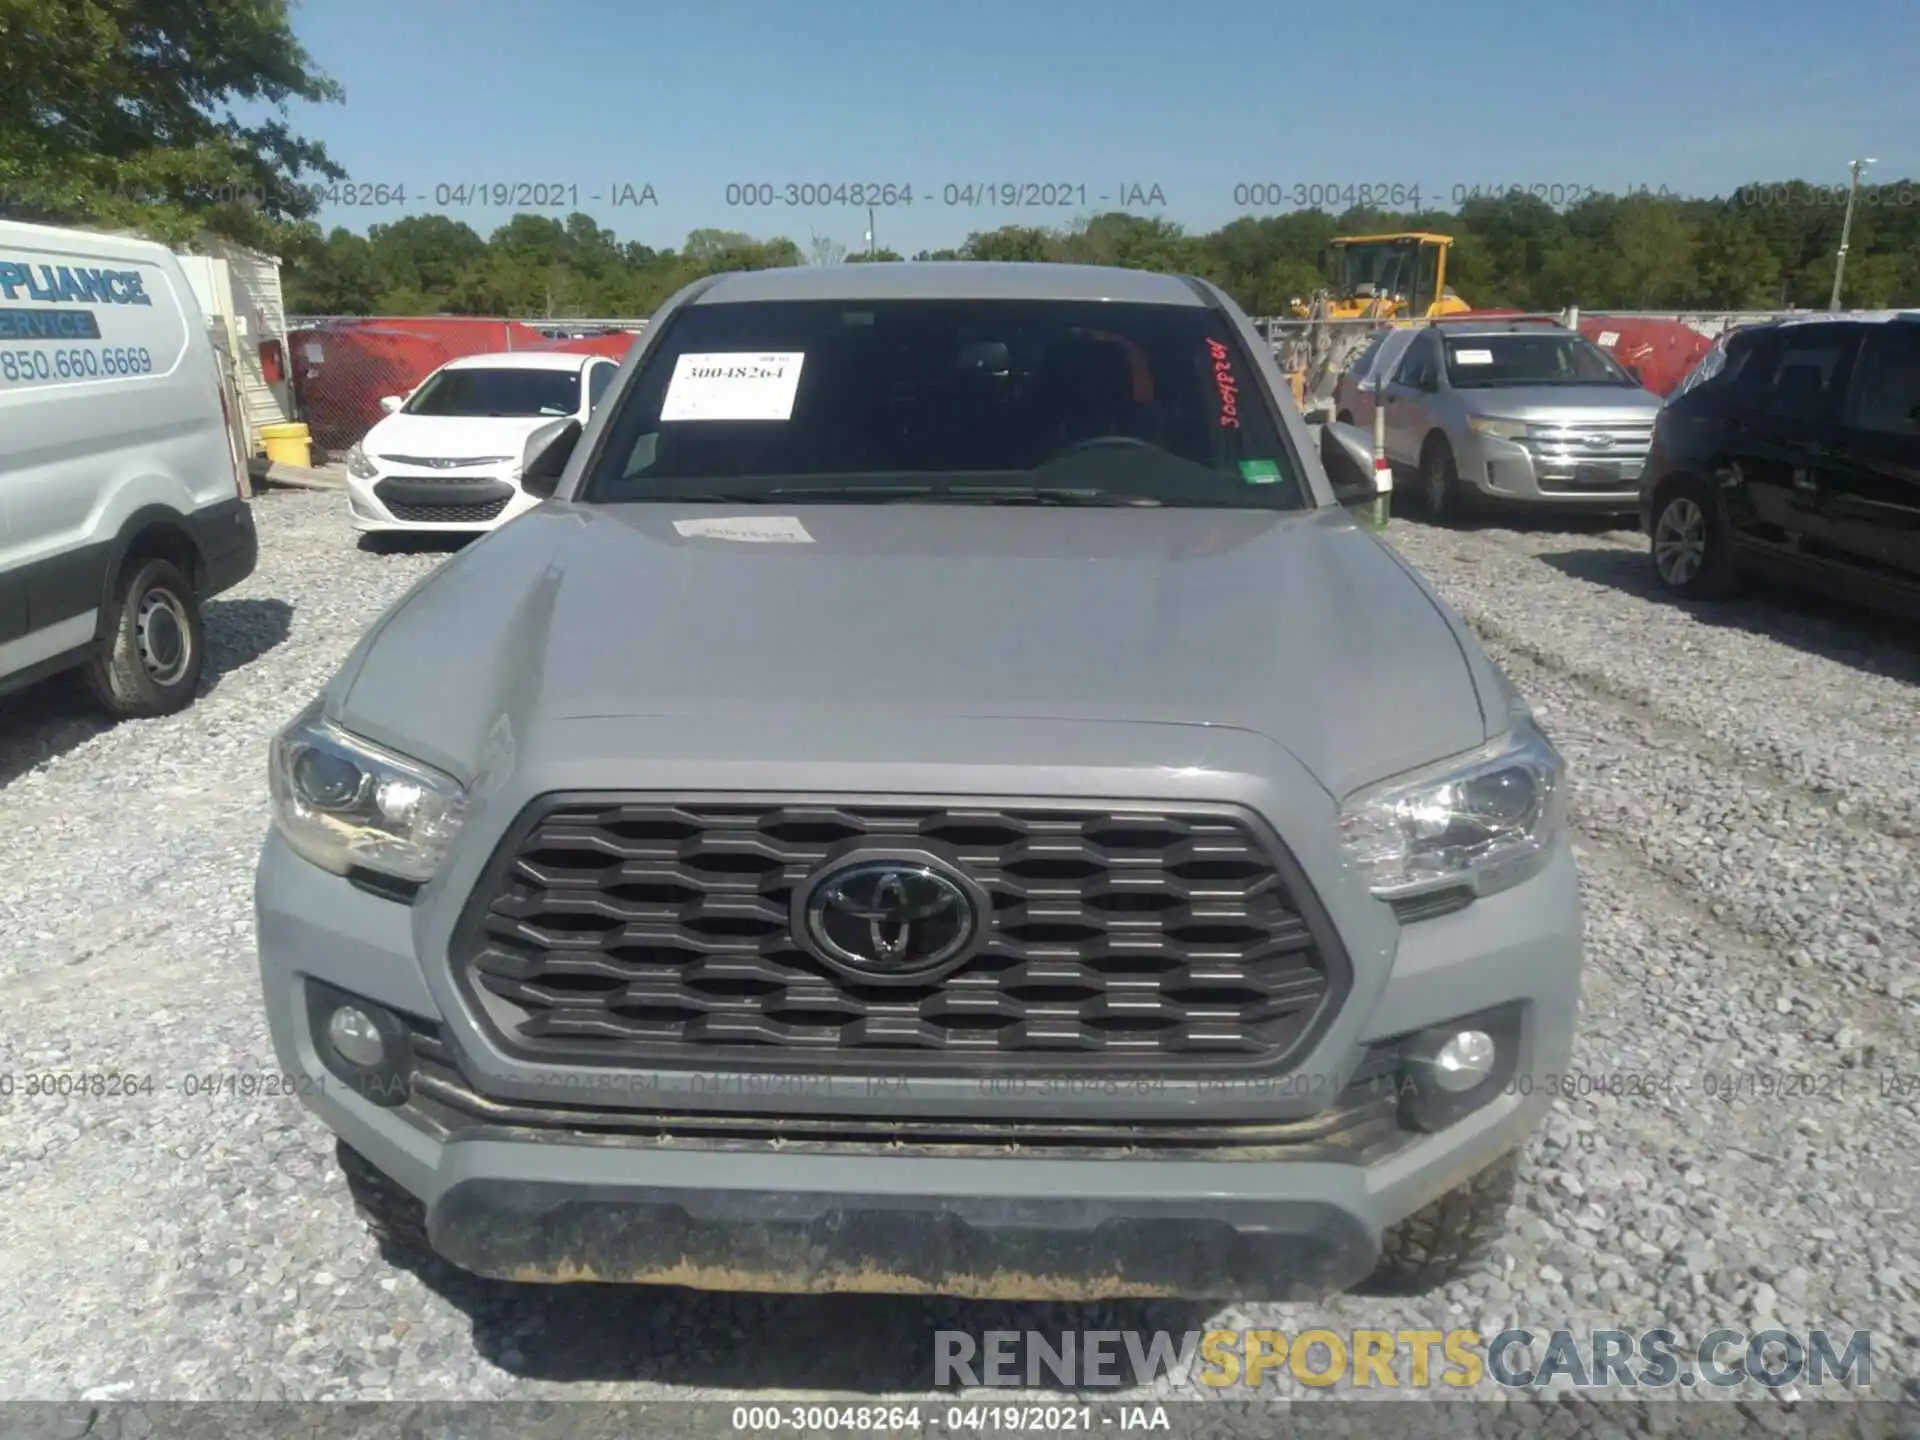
x: 1385, y: 279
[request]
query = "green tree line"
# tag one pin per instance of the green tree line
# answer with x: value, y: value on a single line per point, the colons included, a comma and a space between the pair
x: 170, y: 117
x: 1770, y: 246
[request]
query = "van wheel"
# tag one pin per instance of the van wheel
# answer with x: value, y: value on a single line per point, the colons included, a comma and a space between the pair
x: 1692, y: 548
x: 1438, y: 1244
x: 1345, y: 417
x: 155, y: 645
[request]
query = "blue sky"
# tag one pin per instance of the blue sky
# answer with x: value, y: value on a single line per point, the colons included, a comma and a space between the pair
x: 1196, y: 99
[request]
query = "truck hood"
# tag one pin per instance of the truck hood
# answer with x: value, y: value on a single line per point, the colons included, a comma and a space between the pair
x: 453, y: 437
x: 1299, y: 627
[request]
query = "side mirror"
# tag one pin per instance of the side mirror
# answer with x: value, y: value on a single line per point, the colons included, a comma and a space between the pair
x: 1320, y: 416
x: 545, y: 459
x: 391, y: 403
x: 1634, y: 371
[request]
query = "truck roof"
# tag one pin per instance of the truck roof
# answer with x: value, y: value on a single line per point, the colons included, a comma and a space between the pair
x: 951, y: 280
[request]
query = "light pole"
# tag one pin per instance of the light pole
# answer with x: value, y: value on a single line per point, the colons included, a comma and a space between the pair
x: 870, y: 228
x: 1846, y: 233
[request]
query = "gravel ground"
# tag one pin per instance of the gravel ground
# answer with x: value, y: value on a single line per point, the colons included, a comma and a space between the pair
x: 1747, y: 796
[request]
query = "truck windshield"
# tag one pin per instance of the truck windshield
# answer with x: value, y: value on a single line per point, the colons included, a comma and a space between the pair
x: 1481, y: 361
x: 981, y: 402
x: 497, y: 391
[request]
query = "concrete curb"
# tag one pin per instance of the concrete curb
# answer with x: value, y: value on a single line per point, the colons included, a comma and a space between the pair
x: 298, y: 477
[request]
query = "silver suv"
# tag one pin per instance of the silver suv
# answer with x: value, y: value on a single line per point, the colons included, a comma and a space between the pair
x: 1529, y: 412
x: 940, y: 797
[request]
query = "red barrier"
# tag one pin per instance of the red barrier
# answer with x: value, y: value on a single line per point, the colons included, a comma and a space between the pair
x: 342, y: 369
x: 1663, y: 351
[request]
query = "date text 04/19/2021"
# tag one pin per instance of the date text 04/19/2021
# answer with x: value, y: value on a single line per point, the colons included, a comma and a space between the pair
x: 541, y: 194
x: 460, y: 194
x: 957, y: 1420
x: 971, y: 194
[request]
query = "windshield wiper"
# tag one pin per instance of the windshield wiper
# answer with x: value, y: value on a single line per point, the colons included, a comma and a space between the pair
x: 788, y: 494
x: 894, y: 495
x: 877, y: 494
x: 1040, y: 495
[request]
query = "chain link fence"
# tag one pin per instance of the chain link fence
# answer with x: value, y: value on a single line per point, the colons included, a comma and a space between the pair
x: 344, y: 365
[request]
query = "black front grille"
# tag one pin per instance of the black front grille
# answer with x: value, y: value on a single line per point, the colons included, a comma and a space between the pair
x: 627, y: 929
x: 444, y: 499
x: 447, y: 514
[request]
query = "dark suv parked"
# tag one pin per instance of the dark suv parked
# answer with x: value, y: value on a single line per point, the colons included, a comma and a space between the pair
x: 1793, y: 451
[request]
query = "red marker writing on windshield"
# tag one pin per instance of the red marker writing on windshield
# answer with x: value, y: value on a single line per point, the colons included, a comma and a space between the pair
x: 1229, y: 387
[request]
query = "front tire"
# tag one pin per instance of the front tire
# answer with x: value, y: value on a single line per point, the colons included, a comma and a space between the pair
x: 1436, y: 1245
x: 396, y: 1219
x: 1440, y: 489
x: 1692, y: 545
x: 155, y: 646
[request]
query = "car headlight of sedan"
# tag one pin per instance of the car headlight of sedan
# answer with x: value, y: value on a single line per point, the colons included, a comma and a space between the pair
x: 1497, y: 428
x: 1480, y: 822
x: 359, y: 466
x: 347, y: 804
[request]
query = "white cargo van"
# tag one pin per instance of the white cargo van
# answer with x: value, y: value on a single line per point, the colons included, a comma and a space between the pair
x: 122, y: 496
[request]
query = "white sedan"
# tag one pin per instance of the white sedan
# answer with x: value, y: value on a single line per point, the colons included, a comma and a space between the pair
x: 449, y: 456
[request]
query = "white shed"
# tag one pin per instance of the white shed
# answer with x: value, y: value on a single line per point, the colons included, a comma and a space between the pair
x: 240, y: 291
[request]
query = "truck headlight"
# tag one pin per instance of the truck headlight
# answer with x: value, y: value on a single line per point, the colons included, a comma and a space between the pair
x: 1498, y: 429
x: 347, y: 804
x: 359, y: 466
x: 1483, y: 821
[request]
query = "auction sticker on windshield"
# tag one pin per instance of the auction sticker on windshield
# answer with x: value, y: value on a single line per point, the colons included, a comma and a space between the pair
x: 1473, y: 357
x: 733, y: 386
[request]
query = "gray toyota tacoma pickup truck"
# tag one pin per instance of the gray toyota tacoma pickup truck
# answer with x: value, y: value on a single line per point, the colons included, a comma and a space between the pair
x: 941, y: 797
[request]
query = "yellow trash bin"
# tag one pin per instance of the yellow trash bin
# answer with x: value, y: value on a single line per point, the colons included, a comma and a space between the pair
x: 288, y: 444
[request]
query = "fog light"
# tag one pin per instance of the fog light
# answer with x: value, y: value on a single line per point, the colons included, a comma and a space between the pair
x: 352, y: 1032
x: 1454, y: 1068
x: 366, y: 1047
x: 1460, y: 1064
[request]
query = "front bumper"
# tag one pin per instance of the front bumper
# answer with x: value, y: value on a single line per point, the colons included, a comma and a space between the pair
x: 1504, y: 470
x: 789, y: 1230
x: 370, y: 514
x: 516, y: 1202
x: 228, y: 543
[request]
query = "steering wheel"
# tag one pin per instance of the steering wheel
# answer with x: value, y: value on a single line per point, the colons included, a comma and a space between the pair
x: 1097, y: 442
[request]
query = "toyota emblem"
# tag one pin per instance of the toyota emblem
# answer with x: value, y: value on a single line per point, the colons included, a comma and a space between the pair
x: 890, y: 916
